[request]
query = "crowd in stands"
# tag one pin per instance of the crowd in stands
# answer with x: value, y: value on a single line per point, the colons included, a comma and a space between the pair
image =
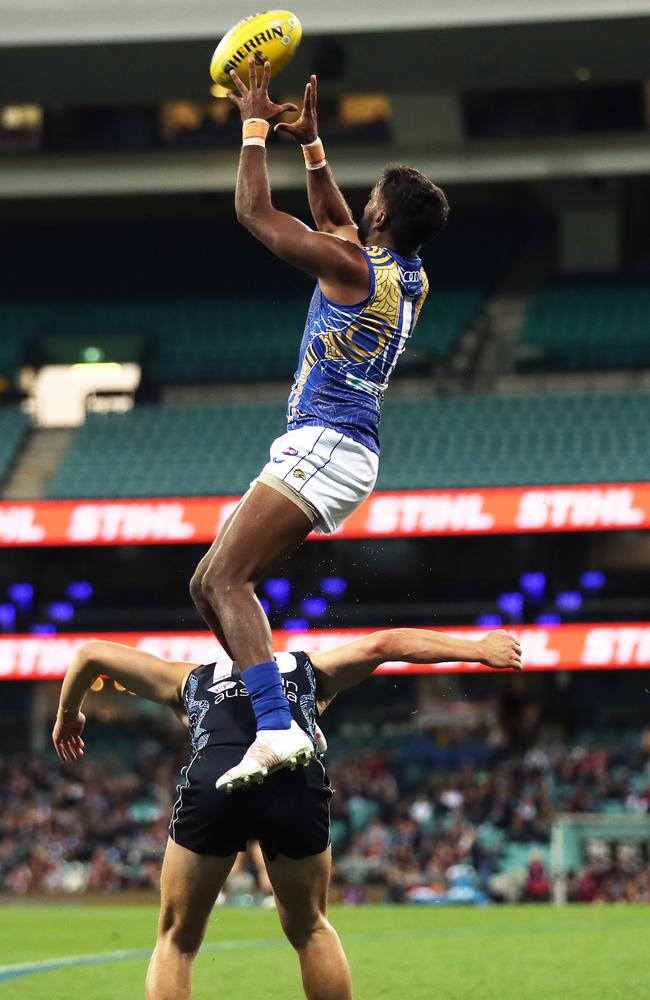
x: 402, y: 828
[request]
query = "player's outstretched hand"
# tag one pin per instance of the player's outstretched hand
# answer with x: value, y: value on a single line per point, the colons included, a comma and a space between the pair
x: 305, y: 129
x: 501, y: 651
x: 254, y: 101
x: 66, y: 736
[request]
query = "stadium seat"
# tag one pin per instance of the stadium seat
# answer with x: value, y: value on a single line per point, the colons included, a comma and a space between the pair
x: 199, y: 319
x: 449, y: 442
x: 587, y: 323
x: 13, y: 427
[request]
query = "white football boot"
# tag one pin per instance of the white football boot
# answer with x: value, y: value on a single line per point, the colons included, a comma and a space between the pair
x: 272, y: 750
x: 321, y: 742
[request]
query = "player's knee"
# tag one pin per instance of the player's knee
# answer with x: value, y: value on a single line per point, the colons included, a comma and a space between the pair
x: 179, y: 934
x: 300, y: 928
x: 196, y: 592
x: 214, y: 584
x: 220, y: 580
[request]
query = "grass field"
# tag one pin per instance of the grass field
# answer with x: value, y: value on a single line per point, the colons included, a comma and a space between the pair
x: 497, y: 953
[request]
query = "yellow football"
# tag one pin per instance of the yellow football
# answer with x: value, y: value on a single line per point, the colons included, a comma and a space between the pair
x: 273, y: 35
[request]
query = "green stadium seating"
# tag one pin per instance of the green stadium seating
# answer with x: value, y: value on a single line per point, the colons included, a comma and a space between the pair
x: 13, y: 427
x: 203, y: 320
x: 426, y: 443
x: 587, y: 323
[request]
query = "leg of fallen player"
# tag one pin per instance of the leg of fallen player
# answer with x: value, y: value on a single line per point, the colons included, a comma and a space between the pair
x: 300, y: 889
x: 265, y: 528
x: 190, y: 884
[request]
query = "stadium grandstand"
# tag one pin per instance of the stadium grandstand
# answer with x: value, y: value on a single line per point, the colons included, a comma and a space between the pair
x: 147, y: 347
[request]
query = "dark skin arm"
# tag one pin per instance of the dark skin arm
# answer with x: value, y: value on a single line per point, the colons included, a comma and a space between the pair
x: 329, y: 209
x: 338, y: 264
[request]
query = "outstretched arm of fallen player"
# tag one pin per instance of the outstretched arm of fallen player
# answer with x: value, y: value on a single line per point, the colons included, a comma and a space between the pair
x: 344, y: 667
x: 142, y: 673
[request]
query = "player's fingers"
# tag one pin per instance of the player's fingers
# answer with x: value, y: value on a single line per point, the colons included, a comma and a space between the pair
x: 239, y: 83
x: 314, y: 92
x: 281, y: 108
x: 266, y: 76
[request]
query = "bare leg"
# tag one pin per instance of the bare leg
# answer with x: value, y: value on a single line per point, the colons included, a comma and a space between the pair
x: 201, y: 604
x: 196, y: 592
x: 265, y: 528
x: 300, y: 889
x: 190, y: 885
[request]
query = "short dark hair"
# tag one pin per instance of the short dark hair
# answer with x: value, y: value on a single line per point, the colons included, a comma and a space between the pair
x: 417, y: 207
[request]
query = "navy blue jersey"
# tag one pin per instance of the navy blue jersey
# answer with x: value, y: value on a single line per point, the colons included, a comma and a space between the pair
x: 219, y: 708
x: 348, y: 352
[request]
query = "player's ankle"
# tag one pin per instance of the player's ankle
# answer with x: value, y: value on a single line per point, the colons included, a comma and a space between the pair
x: 264, y: 685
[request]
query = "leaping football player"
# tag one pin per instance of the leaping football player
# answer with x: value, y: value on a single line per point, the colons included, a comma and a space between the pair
x: 289, y: 815
x: 370, y: 289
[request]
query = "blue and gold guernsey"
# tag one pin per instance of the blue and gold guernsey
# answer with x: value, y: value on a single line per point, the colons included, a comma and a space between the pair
x: 348, y: 352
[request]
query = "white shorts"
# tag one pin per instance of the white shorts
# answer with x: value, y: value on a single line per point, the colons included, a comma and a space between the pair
x: 330, y: 473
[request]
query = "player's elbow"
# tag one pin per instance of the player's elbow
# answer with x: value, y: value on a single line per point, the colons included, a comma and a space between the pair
x: 90, y: 653
x: 258, y: 221
x: 244, y: 216
x: 380, y: 646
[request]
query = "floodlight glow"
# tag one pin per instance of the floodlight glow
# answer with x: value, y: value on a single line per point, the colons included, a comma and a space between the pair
x: 80, y: 590
x: 60, y: 611
x: 296, y: 625
x: 511, y: 604
x: 314, y: 607
x: 21, y: 594
x: 489, y: 621
x: 593, y: 579
x: 334, y: 586
x: 533, y: 584
x: 278, y: 590
x: 569, y: 600
x: 549, y: 618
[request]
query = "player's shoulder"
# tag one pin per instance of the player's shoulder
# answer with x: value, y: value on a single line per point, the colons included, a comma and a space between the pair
x: 202, y: 675
x: 288, y: 662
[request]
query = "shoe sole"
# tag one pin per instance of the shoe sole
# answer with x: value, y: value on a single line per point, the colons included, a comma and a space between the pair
x: 302, y: 758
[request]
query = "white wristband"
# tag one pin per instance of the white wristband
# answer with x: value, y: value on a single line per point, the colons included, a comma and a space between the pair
x: 316, y: 166
x: 254, y: 140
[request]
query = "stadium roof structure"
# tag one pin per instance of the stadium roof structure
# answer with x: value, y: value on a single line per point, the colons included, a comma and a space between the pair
x: 44, y: 22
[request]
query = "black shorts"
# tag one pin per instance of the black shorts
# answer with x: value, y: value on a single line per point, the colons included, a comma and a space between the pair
x: 289, y: 814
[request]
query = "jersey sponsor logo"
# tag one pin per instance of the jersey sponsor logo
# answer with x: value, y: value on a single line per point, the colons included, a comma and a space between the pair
x: 290, y: 451
x: 299, y: 474
x: 222, y: 686
x: 410, y: 276
x: 237, y: 689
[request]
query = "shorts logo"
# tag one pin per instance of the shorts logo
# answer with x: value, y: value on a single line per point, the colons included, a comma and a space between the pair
x: 290, y: 451
x: 222, y: 686
x: 299, y: 474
